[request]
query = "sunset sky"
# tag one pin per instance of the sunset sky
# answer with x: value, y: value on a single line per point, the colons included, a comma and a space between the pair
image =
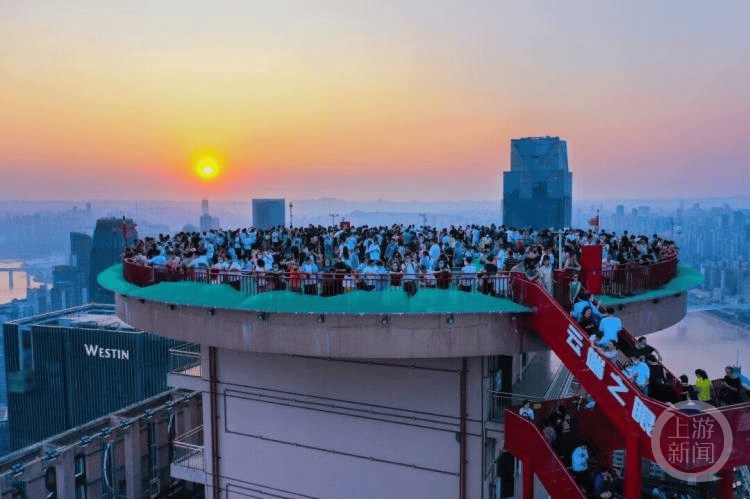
x: 372, y: 99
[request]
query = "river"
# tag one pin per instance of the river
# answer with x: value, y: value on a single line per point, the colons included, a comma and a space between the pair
x: 19, y: 282
x: 702, y: 341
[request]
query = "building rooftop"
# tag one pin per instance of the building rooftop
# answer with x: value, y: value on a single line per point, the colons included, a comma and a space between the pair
x: 91, y: 316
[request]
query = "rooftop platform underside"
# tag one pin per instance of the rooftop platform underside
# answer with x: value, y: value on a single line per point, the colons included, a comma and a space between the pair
x: 363, y: 325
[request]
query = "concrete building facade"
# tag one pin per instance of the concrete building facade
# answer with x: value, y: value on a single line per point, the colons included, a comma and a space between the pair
x: 340, y: 405
x: 68, y: 367
x: 126, y: 454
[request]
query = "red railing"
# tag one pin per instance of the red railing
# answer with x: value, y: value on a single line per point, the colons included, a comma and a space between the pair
x: 627, y: 280
x: 321, y: 283
x: 622, y: 280
x: 523, y: 438
x: 632, y: 279
x: 630, y: 411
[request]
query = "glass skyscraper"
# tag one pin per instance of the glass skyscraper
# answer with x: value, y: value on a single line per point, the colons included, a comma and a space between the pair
x: 538, y: 189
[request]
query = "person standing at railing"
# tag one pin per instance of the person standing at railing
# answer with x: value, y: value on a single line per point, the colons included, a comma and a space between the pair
x: 730, y: 387
x: 526, y: 411
x: 309, y: 270
x: 410, y: 276
x: 468, y: 275
x: 545, y: 274
x: 575, y: 288
x: 703, y: 384
x: 488, y: 280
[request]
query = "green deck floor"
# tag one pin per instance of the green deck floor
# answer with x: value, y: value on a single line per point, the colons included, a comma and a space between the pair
x: 426, y: 301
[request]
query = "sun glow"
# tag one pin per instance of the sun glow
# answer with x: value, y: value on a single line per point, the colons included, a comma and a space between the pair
x: 207, y: 166
x: 207, y: 163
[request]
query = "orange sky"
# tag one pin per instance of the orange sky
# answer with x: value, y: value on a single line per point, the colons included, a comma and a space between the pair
x: 369, y: 100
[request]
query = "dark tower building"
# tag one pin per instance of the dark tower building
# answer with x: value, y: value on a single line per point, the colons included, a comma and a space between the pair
x: 110, y: 237
x: 268, y: 213
x: 80, y: 258
x: 538, y: 189
x: 72, y: 366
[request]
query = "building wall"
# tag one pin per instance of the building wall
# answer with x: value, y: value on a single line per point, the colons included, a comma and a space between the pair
x: 70, y: 386
x: 140, y: 465
x: 538, y: 189
x: 268, y: 213
x: 307, y: 427
x: 105, y: 251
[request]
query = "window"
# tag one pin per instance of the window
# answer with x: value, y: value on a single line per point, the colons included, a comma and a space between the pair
x: 26, y: 349
x: 50, y: 483
x: 80, y: 471
x: 490, y: 445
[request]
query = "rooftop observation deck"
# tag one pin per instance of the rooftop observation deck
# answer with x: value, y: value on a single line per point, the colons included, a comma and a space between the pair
x: 468, y: 314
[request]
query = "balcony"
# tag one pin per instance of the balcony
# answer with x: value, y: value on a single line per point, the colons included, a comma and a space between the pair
x: 185, y: 368
x: 187, y: 460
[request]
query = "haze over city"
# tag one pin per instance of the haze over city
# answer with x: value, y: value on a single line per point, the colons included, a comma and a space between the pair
x: 371, y: 100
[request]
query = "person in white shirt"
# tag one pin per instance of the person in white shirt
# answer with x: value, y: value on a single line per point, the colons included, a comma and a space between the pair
x: 468, y: 275
x: 610, y: 326
x: 310, y: 283
x: 200, y: 261
x: 526, y: 411
x: 639, y: 372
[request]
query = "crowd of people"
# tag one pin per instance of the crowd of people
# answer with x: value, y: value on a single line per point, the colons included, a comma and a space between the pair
x: 642, y: 363
x: 560, y: 430
x: 376, y: 258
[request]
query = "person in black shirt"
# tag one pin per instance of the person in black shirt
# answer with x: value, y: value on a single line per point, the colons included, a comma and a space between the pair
x: 510, y: 261
x: 643, y: 348
x: 587, y: 322
x: 731, y: 387
x: 487, y: 283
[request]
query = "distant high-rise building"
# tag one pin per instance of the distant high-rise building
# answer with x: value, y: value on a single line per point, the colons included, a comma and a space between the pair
x: 620, y: 210
x: 65, y: 291
x: 110, y: 238
x: 268, y: 213
x: 80, y: 258
x: 206, y: 221
x: 72, y: 366
x: 538, y: 189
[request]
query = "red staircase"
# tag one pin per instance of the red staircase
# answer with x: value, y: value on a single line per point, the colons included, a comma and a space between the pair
x: 523, y: 438
x: 631, y: 412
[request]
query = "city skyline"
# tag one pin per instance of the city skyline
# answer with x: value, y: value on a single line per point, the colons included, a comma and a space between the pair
x: 370, y: 100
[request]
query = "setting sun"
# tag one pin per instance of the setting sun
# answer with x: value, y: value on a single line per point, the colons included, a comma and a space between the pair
x: 207, y: 163
x: 207, y: 166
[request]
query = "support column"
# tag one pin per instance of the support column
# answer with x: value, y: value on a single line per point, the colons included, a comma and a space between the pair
x: 725, y: 483
x: 528, y: 480
x: 632, y: 468
x: 10, y: 279
x: 214, y: 410
x: 132, y: 448
x: 66, y: 474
